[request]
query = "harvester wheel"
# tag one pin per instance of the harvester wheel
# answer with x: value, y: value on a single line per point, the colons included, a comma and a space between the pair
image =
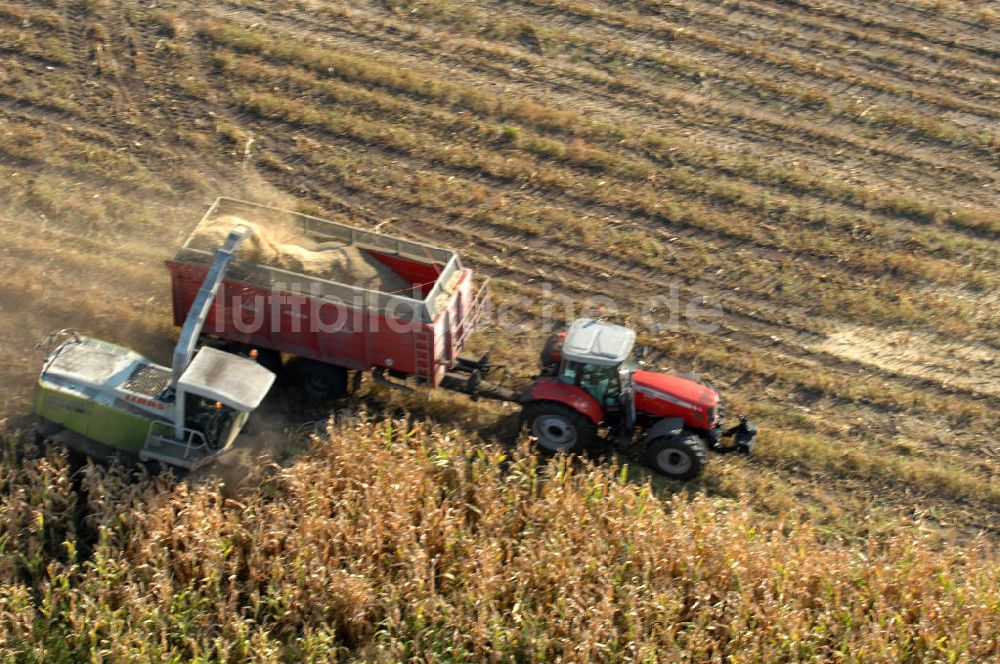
x: 679, y: 457
x: 558, y: 428
x: 320, y: 381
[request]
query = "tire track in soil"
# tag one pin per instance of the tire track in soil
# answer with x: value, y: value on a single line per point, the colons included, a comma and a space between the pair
x: 566, y: 199
x: 850, y: 206
x: 523, y: 255
x: 147, y: 161
x: 146, y: 64
x: 800, y: 14
x: 930, y: 55
x: 959, y: 34
x: 765, y: 135
x: 809, y: 36
x: 826, y: 201
x: 732, y: 46
x: 775, y: 122
x: 901, y: 88
x: 773, y: 131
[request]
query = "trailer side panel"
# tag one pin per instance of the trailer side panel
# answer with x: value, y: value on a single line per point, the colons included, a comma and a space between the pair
x: 349, y: 334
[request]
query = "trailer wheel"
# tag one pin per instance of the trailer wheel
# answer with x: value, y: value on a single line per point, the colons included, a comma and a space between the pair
x: 558, y: 428
x: 320, y: 381
x: 679, y: 457
x: 270, y: 359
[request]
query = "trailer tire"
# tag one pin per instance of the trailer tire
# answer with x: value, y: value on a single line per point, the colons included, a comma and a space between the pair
x: 320, y: 381
x: 270, y: 360
x: 679, y: 457
x: 558, y: 428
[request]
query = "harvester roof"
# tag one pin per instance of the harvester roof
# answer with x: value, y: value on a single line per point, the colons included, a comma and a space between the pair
x: 597, y: 342
x: 236, y: 381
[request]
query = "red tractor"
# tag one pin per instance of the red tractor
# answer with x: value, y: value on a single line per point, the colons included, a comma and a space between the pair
x: 589, y: 379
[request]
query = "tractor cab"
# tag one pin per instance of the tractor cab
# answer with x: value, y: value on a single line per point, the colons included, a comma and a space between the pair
x: 220, y: 389
x: 597, y: 357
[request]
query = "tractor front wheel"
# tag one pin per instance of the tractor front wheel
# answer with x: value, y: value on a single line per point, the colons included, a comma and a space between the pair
x: 558, y: 428
x: 679, y: 457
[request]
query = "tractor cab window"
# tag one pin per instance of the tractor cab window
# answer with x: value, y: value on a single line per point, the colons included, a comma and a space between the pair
x: 628, y: 365
x: 568, y: 372
x: 601, y: 382
x: 213, y: 419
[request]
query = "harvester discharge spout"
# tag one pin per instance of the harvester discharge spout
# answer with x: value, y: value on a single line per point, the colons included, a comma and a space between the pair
x: 195, y: 321
x: 187, y: 343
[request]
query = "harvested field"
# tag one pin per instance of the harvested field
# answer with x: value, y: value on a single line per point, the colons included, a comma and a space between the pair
x: 820, y: 180
x: 910, y: 353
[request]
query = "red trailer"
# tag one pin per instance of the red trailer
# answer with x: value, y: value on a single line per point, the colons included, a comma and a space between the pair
x: 275, y: 299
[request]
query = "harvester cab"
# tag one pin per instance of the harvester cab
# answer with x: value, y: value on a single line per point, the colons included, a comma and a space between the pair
x: 589, y: 379
x: 102, y: 398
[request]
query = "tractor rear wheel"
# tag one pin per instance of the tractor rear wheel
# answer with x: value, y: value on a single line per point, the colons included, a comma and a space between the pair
x: 558, y: 428
x: 679, y: 457
x: 320, y: 381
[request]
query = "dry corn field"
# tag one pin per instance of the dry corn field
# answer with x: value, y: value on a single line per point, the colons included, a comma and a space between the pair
x: 823, y: 175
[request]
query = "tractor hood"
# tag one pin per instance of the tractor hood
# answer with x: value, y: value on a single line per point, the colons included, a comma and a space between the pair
x: 674, y: 389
